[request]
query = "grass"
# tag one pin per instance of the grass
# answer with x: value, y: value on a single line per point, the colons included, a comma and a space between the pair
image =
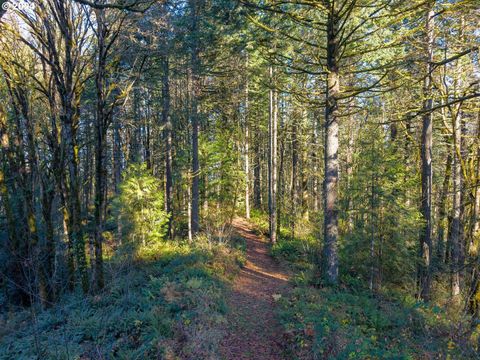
x: 166, y: 303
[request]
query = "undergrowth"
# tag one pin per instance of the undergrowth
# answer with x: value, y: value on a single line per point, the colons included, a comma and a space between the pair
x: 351, y: 322
x: 297, y: 252
x: 346, y: 323
x: 166, y: 303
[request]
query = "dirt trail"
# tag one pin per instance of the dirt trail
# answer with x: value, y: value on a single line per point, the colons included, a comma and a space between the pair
x: 253, y: 332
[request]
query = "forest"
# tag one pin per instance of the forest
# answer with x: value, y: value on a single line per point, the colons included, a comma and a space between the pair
x: 239, y: 179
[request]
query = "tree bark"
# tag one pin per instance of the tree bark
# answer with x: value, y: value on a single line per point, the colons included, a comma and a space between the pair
x: 474, y: 295
x: 257, y: 181
x: 135, y: 154
x: 476, y: 190
x: 456, y: 220
x: 442, y: 212
x: 101, y: 125
x: 330, y: 187
x: 425, y: 248
x: 48, y: 249
x: 167, y: 137
x: 315, y: 157
x: 194, y: 116
x: 272, y: 172
x: 247, y: 140
x: 294, y: 180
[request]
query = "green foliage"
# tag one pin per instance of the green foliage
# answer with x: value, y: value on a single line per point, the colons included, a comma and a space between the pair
x: 167, y: 304
x: 140, y: 206
x: 259, y: 220
x: 299, y: 251
x: 220, y: 160
x: 352, y: 324
x: 381, y: 221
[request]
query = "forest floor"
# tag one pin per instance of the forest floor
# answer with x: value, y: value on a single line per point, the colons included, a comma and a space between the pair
x: 233, y: 301
x: 253, y: 330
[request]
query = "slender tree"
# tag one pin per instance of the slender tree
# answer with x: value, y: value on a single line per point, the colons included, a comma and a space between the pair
x: 425, y: 247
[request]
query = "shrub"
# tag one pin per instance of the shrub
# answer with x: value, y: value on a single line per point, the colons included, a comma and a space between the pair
x: 140, y: 206
x: 353, y: 324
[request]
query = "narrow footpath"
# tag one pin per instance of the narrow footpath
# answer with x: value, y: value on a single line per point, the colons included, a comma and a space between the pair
x: 253, y: 331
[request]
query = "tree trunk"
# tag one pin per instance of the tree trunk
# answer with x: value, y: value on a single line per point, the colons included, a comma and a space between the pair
x: 48, y: 250
x: 117, y: 154
x: 442, y: 212
x: 349, y: 170
x: 272, y: 171
x: 74, y: 209
x: 8, y: 190
x: 316, y: 192
x: 257, y: 181
x: 456, y: 220
x: 247, y: 139
x: 101, y: 127
x: 167, y: 137
x: 425, y: 248
x: 194, y: 116
x: 330, y: 188
x: 294, y: 179
x: 476, y: 190
x: 26, y: 151
x: 100, y: 188
x: 373, y: 212
x: 135, y: 137
x: 474, y: 295
x: 117, y: 168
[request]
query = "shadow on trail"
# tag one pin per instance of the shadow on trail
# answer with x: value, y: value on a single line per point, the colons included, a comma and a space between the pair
x: 253, y: 332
